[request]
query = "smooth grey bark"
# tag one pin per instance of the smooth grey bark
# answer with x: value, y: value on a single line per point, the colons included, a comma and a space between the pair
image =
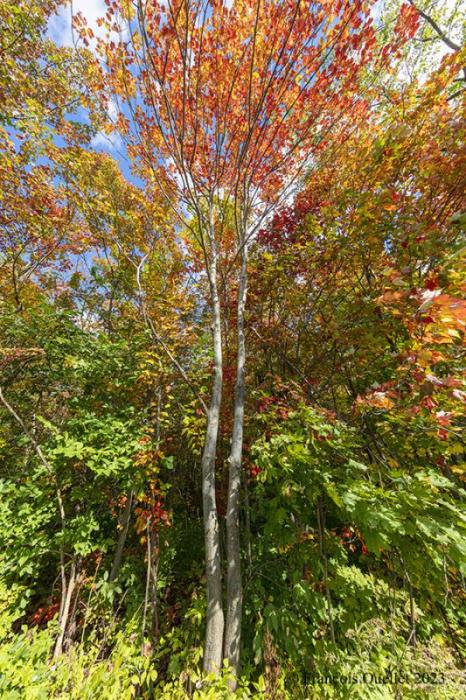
x: 124, y: 524
x: 234, y: 582
x: 154, y: 573
x: 215, y: 619
x: 63, y: 620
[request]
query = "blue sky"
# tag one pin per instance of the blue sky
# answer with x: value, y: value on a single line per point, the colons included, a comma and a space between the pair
x: 61, y: 33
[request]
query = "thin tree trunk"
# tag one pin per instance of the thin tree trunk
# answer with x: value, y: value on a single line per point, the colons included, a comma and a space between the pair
x: 154, y: 540
x: 234, y: 582
x: 63, y: 621
x: 247, y: 518
x: 323, y: 554
x: 154, y: 571
x: 67, y: 587
x: 63, y: 582
x: 412, y: 611
x: 124, y: 524
x: 147, y: 591
x: 70, y: 631
x: 215, y: 619
x: 412, y: 615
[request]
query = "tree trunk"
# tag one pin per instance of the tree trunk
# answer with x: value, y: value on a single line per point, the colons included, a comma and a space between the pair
x: 124, y: 524
x: 154, y: 572
x: 247, y: 523
x: 324, y: 558
x: 215, y: 620
x: 65, y: 609
x: 70, y: 631
x: 234, y: 582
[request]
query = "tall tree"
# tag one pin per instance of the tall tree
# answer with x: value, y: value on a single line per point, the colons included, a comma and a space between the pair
x: 233, y: 102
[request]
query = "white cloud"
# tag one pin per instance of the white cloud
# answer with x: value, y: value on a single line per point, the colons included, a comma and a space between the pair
x: 112, y: 110
x: 60, y: 31
x: 60, y: 24
x: 376, y: 10
x: 111, y: 142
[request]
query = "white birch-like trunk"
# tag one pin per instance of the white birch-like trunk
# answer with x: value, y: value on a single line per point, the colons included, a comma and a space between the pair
x: 234, y: 583
x: 215, y: 619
